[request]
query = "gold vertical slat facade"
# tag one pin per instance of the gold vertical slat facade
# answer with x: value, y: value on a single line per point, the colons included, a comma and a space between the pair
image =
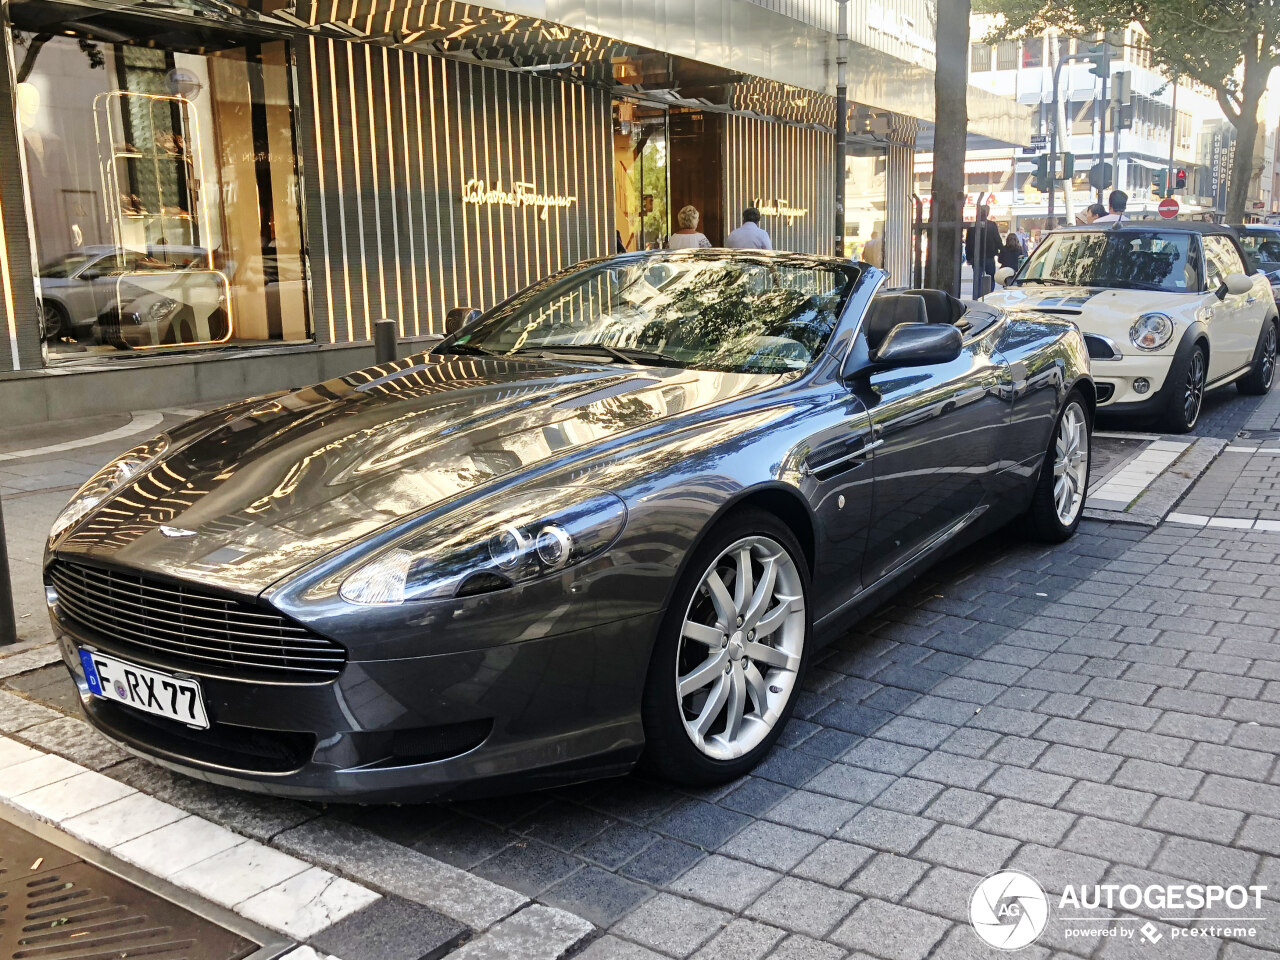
x: 398, y: 134
x: 787, y: 172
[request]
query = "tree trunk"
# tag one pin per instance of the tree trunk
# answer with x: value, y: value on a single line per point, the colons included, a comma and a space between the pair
x: 1246, y: 124
x: 951, y: 130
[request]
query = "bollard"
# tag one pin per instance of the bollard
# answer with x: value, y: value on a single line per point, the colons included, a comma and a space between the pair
x: 8, y: 622
x: 385, y: 334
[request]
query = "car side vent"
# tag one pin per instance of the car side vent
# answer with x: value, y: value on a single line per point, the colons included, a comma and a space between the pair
x: 1100, y: 348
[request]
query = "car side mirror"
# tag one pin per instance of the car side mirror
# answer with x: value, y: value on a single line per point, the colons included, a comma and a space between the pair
x: 919, y: 344
x: 1004, y: 275
x: 1236, y: 284
x: 457, y: 318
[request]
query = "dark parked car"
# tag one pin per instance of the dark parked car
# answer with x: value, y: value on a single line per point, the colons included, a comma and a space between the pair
x: 610, y: 520
x: 1261, y: 243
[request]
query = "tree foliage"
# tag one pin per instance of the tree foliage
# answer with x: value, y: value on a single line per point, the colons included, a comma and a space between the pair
x: 1231, y: 46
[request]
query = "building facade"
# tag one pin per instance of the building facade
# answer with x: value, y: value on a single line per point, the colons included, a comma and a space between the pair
x: 202, y: 200
x: 1167, y: 125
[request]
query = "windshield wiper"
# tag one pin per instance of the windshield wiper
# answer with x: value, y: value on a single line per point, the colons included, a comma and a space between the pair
x: 468, y: 348
x: 1053, y: 281
x: 623, y: 354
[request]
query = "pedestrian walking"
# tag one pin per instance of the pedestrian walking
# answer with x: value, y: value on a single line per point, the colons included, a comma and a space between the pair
x: 1117, y: 203
x: 1011, y: 253
x: 749, y: 236
x: 687, y: 237
x: 873, y: 250
x: 1093, y: 212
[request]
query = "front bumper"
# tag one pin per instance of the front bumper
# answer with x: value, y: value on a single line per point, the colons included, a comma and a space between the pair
x: 523, y: 715
x: 1120, y: 376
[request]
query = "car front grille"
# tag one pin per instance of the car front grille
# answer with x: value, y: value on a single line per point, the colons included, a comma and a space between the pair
x: 187, y: 628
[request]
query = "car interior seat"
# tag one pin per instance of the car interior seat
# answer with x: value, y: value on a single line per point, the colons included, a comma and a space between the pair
x: 941, y: 306
x: 889, y: 310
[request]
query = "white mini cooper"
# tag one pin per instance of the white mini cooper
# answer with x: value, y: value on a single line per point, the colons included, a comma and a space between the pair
x: 1168, y: 311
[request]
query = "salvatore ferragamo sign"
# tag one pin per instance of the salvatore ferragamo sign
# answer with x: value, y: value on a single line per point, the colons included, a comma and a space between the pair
x: 520, y: 196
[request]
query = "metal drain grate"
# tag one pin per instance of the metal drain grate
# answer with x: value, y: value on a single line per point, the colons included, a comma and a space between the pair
x: 55, y: 905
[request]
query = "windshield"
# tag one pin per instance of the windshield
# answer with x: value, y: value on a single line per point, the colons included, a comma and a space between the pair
x: 1262, y: 247
x: 730, y: 313
x: 1131, y: 259
x: 65, y: 266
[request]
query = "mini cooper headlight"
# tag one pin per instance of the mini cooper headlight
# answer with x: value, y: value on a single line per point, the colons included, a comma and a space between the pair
x: 106, y: 482
x: 491, y: 545
x: 1151, y: 331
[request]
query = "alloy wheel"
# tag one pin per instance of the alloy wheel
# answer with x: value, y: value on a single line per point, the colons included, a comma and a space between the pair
x: 1070, y: 464
x: 1269, y: 357
x: 1194, y: 392
x: 50, y: 322
x: 740, y: 647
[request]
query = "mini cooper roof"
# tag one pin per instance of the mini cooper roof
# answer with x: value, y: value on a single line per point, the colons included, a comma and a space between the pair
x: 1163, y: 226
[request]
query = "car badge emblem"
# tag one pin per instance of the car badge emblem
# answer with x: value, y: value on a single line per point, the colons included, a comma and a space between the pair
x: 176, y: 533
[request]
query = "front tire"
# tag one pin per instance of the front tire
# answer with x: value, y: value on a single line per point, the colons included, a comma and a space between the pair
x: 730, y: 655
x: 1063, y: 485
x: 1187, y: 378
x: 1258, y: 380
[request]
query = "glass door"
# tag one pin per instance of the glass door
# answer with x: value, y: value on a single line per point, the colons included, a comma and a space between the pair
x: 640, y: 176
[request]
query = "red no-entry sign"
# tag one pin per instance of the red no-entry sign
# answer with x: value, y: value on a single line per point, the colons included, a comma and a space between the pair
x: 1168, y: 208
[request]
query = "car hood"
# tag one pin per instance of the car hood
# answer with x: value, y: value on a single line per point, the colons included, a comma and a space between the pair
x: 1092, y: 308
x: 277, y: 484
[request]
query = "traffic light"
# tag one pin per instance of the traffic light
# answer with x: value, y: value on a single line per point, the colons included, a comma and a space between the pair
x: 1180, y: 179
x: 1068, y: 166
x: 1040, y: 177
x: 1160, y: 182
x: 1099, y: 59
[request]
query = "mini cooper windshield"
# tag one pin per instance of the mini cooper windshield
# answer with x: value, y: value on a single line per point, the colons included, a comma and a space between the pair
x: 735, y: 314
x: 1127, y: 259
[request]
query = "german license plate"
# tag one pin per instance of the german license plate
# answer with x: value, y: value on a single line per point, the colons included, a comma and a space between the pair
x: 144, y: 689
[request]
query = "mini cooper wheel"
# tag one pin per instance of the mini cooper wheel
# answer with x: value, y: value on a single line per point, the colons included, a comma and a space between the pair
x: 730, y: 656
x: 1187, y: 378
x: 1058, y: 501
x: 1258, y: 380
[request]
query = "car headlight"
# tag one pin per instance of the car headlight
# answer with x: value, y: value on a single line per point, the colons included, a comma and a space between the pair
x: 106, y: 482
x: 161, y: 310
x: 490, y: 546
x: 1151, y: 331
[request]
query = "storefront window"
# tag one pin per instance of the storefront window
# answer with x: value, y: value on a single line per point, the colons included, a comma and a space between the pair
x: 163, y: 194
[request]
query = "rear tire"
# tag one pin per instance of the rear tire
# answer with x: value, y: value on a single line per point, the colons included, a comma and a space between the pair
x: 1260, y: 376
x: 729, y: 659
x: 1187, y: 378
x: 1063, y: 485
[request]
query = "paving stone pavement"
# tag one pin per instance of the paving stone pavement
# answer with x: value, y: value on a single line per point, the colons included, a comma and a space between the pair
x: 1106, y: 710
x: 1240, y: 484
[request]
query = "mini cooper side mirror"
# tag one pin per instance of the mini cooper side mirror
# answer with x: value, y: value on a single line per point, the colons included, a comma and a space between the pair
x: 919, y: 344
x: 1004, y: 275
x: 457, y: 318
x: 1236, y: 284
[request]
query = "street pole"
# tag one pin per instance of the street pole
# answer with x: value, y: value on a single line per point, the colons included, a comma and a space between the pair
x: 842, y: 124
x: 1053, y: 140
x: 1173, y: 137
x: 8, y: 622
x: 1102, y: 120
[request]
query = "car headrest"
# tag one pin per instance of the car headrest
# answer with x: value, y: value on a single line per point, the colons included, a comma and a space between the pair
x: 941, y: 306
x: 889, y: 310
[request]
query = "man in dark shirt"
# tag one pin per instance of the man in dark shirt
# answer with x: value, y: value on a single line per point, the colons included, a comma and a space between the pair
x: 990, y: 237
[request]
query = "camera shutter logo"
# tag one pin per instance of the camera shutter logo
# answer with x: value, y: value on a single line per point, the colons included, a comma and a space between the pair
x: 1008, y: 910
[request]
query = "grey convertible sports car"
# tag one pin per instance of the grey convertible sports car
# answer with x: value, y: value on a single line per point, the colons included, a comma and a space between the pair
x: 610, y: 520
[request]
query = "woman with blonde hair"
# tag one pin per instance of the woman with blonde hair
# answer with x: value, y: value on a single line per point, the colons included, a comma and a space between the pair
x: 687, y: 237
